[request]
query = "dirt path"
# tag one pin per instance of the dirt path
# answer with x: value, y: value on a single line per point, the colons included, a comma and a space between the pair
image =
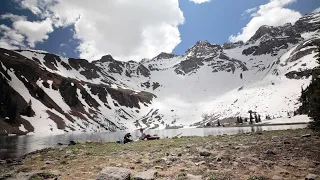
x: 267, y: 155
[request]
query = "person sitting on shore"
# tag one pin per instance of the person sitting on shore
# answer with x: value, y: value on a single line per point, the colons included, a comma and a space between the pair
x: 127, y: 138
x: 143, y: 135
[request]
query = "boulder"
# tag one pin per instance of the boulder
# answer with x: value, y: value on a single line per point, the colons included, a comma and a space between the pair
x: 72, y: 143
x: 114, y: 173
x: 146, y: 175
x: 312, y: 177
x: 306, y: 135
x: 205, y: 153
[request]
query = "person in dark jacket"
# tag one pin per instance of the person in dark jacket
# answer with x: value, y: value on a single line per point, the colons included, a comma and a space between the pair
x: 127, y: 138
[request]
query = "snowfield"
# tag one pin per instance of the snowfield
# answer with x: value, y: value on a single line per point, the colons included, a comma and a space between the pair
x: 208, y: 79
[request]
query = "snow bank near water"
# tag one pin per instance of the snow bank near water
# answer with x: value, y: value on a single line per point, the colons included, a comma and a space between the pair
x: 295, y: 119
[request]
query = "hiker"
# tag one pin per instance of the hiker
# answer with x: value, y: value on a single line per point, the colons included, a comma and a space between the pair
x: 127, y: 138
x: 143, y: 135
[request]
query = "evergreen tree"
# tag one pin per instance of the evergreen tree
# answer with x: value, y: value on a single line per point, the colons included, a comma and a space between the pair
x: 12, y: 111
x: 241, y: 76
x: 241, y: 121
x: 28, y: 110
x: 40, y: 92
x: 218, y: 123
x: 259, y: 118
x: 310, y: 97
x: 251, y: 118
x: 238, y: 120
x: 256, y: 118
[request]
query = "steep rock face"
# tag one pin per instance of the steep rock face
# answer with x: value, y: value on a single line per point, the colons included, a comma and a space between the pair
x: 272, y: 39
x: 71, y: 104
x: 202, y: 49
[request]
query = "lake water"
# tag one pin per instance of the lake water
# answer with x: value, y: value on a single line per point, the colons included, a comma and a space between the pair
x: 17, y: 146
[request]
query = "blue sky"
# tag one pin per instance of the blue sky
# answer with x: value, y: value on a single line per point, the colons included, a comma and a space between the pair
x: 144, y: 32
x: 217, y: 20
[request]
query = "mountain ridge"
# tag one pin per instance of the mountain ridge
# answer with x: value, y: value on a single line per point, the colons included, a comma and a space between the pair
x: 167, y: 91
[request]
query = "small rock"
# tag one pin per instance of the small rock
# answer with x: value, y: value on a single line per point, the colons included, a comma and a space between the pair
x: 311, y: 177
x: 158, y: 167
x: 200, y: 163
x: 167, y: 154
x: 286, y: 142
x: 139, y: 161
x: 270, y: 152
x: 68, y: 152
x: 60, y: 144
x: 179, y: 154
x: 205, y: 153
x: 193, y: 177
x: 306, y: 135
x: 275, y: 177
x: 114, y: 173
x: 316, y: 163
x: 118, y: 165
x: 72, y: 143
x: 64, y: 162
x: 188, y: 146
x: 48, y: 162
x: 43, y: 168
x: 9, y: 161
x: 146, y: 175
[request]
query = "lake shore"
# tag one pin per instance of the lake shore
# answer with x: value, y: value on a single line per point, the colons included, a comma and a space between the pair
x: 288, y: 154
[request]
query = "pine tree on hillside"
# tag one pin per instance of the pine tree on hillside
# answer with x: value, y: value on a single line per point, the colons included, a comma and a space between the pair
x: 12, y: 111
x: 251, y: 118
x: 310, y: 97
x: 256, y: 118
x: 241, y: 121
x: 318, y: 52
x: 28, y: 110
x: 241, y: 76
x: 218, y: 123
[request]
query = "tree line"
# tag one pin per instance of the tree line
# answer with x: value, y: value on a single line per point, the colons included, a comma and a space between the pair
x: 310, y: 97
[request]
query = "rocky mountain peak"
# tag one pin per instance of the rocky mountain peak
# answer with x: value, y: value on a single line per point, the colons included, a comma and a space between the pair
x: 202, y: 48
x: 264, y: 33
x: 164, y: 55
x: 231, y: 45
x: 308, y: 23
x: 106, y: 58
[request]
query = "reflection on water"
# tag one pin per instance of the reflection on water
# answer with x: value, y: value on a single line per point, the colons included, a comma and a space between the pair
x: 16, y: 146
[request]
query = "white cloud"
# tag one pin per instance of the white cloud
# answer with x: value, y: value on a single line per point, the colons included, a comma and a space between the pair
x: 316, y: 10
x: 13, y: 17
x: 10, y: 38
x: 35, y: 32
x: 125, y: 29
x: 248, y: 11
x: 272, y: 14
x: 30, y: 4
x: 200, y: 1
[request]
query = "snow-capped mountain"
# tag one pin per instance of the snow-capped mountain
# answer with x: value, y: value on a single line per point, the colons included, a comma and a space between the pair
x: 264, y: 75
